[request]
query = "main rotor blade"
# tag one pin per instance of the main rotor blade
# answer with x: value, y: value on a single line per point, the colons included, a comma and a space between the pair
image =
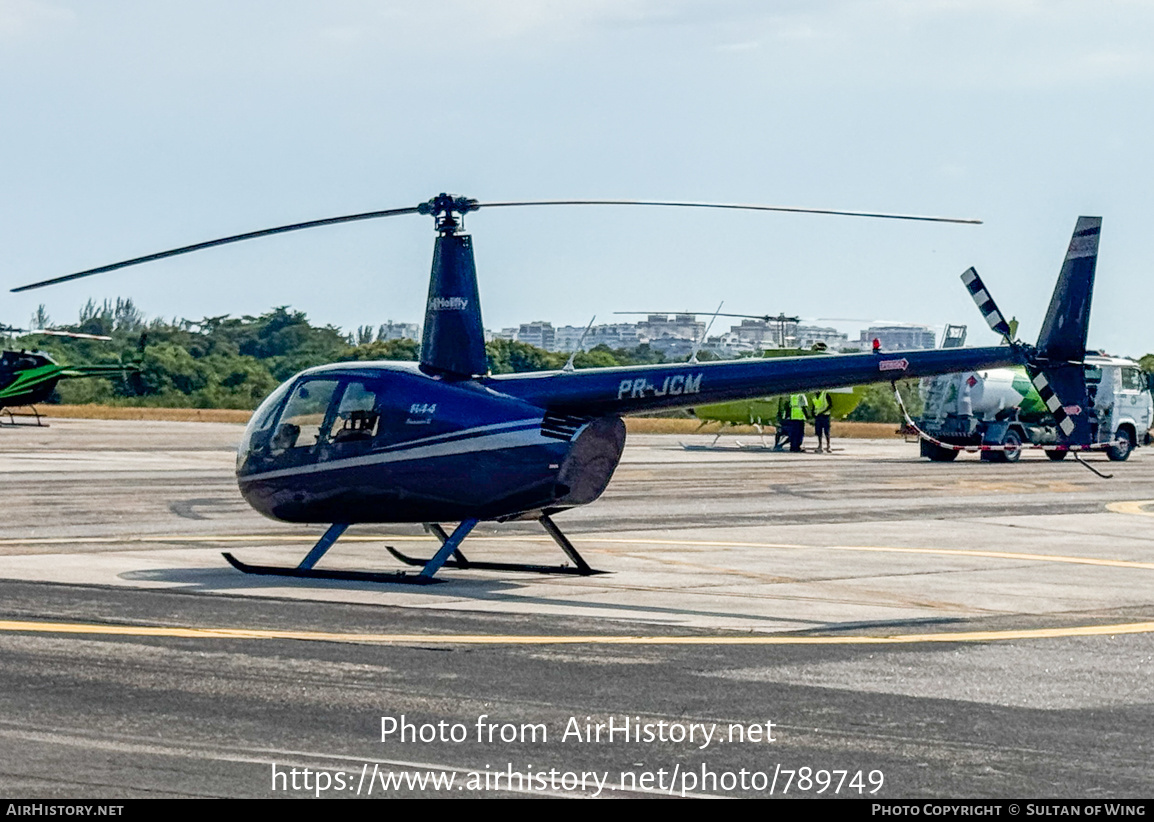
x: 744, y: 207
x: 369, y: 215
x: 236, y: 238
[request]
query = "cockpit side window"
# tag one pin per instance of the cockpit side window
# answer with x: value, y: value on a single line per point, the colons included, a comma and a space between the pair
x: 357, y: 416
x: 303, y: 418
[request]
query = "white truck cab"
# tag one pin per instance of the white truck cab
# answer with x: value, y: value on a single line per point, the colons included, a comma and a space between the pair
x: 1121, y: 396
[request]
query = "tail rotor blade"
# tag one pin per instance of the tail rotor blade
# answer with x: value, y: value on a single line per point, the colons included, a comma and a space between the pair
x: 986, y: 304
x: 1053, y: 403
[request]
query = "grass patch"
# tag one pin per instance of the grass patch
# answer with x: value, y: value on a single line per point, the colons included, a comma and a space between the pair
x: 127, y: 412
x: 839, y: 428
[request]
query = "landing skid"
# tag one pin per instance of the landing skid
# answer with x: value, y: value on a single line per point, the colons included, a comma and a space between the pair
x: 312, y: 573
x: 579, y: 567
x: 450, y: 547
x: 737, y: 446
x: 12, y: 417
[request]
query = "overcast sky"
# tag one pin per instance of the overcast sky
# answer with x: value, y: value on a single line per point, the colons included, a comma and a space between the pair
x: 132, y: 127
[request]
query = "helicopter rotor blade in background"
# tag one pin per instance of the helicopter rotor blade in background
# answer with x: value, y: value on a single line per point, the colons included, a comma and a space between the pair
x: 469, y: 205
x: 766, y: 317
x: 75, y: 335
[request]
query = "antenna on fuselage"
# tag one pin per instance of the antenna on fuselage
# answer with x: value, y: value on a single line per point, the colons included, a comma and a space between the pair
x: 704, y: 334
x: 569, y: 363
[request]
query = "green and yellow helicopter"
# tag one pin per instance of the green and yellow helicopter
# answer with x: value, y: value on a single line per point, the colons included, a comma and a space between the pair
x: 29, y: 377
x: 762, y: 411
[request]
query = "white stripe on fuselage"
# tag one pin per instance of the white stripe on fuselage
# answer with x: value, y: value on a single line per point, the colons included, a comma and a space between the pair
x: 461, y: 433
x: 471, y: 444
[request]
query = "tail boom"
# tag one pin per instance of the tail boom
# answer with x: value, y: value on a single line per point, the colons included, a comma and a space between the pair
x: 655, y: 387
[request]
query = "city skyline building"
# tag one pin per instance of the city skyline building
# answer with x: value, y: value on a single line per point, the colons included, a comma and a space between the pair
x: 675, y: 335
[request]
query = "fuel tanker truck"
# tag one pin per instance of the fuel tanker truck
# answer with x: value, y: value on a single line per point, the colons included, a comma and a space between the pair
x: 1001, y: 407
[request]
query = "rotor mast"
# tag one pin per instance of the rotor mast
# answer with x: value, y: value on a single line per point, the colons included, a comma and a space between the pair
x: 453, y: 340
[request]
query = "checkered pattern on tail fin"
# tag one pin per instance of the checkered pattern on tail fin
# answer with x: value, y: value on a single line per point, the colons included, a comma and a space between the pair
x: 1053, y: 403
x: 985, y: 303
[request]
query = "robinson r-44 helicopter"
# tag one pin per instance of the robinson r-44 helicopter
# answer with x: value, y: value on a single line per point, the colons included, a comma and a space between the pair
x: 443, y: 440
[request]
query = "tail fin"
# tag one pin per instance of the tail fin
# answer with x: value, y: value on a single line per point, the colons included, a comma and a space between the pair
x: 1057, y: 370
x: 1067, y: 323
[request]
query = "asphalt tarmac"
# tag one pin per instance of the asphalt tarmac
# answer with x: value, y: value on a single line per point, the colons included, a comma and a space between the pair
x: 859, y: 624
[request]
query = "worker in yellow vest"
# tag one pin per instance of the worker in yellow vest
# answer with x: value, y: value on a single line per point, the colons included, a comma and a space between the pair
x: 798, y: 406
x: 821, y: 415
x: 781, y: 424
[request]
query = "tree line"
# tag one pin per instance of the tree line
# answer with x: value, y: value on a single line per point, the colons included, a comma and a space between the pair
x: 235, y: 362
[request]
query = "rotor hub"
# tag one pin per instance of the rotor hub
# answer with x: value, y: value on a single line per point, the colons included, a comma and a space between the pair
x: 448, y: 211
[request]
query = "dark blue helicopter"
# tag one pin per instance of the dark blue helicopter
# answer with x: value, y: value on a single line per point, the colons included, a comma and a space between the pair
x: 442, y: 440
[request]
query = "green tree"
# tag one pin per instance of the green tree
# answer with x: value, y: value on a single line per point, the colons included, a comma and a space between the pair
x: 879, y: 405
x: 510, y: 356
x: 385, y: 350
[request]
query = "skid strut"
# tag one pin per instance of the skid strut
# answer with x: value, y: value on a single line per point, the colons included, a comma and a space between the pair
x: 307, y: 570
x: 579, y: 567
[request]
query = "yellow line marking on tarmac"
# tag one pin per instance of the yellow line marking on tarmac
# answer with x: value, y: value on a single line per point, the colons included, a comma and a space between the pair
x: 1135, y: 506
x: 13, y: 626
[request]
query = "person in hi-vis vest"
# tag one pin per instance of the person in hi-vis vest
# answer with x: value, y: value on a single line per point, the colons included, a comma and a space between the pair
x: 821, y: 414
x: 798, y: 406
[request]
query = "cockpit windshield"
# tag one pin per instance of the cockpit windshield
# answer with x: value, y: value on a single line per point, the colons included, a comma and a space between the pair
x: 260, y: 420
x: 318, y: 418
x: 303, y: 417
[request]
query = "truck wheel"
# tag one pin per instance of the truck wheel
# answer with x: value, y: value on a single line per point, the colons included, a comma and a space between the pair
x: 1057, y: 456
x: 1012, y: 452
x: 1125, y: 445
x: 938, y: 454
x: 1013, y: 444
